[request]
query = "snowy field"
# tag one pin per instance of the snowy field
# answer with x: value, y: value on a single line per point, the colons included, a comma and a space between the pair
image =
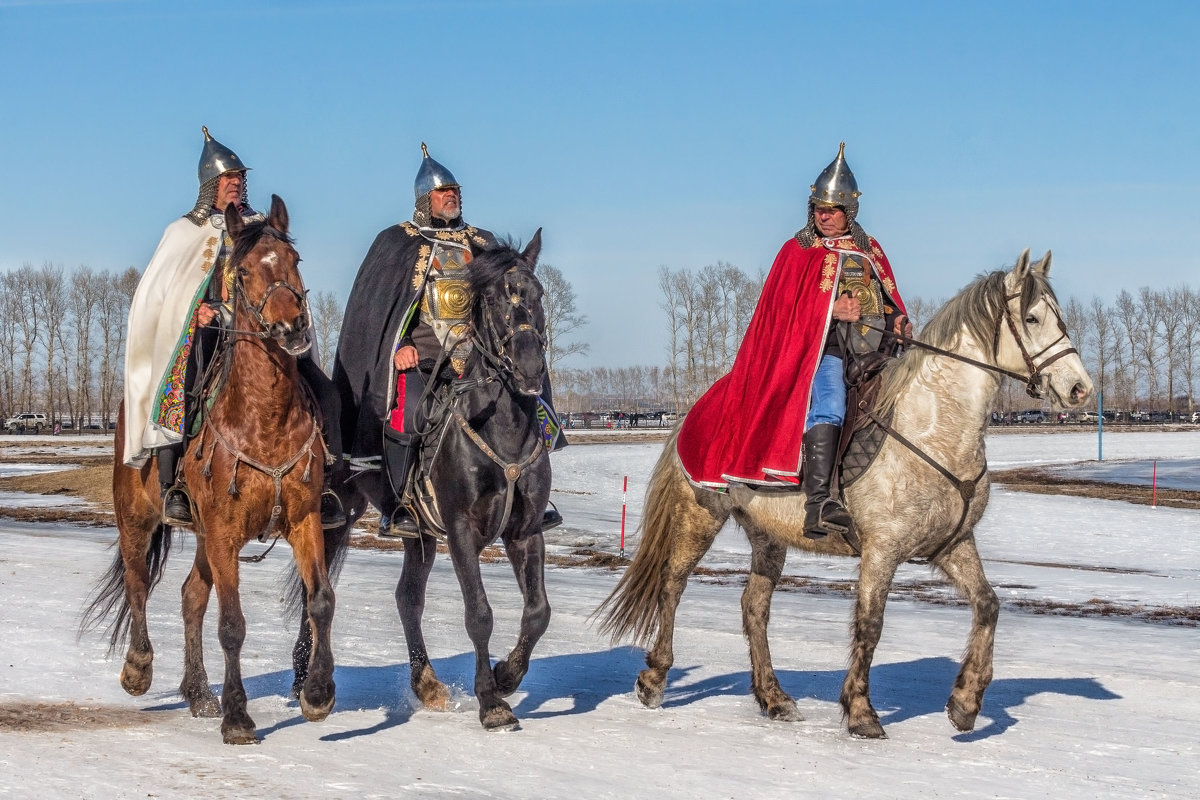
x: 1081, y: 707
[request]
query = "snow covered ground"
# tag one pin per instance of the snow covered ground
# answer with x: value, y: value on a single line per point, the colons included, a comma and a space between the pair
x: 1092, y: 707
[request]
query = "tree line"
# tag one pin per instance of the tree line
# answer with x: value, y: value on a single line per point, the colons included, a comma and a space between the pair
x: 62, y: 343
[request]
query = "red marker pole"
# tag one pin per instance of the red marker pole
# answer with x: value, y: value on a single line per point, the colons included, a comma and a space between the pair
x: 624, y: 492
x: 1154, y: 483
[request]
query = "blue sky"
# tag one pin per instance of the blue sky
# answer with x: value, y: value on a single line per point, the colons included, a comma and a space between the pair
x: 637, y: 134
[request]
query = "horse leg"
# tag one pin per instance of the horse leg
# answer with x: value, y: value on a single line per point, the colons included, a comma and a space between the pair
x: 317, y: 693
x: 874, y: 580
x: 142, y: 543
x: 236, y: 725
x: 494, y: 712
x: 195, y: 593
x: 410, y: 602
x: 693, y: 536
x: 963, y: 566
x: 335, y: 544
x: 528, y: 559
x: 767, y: 558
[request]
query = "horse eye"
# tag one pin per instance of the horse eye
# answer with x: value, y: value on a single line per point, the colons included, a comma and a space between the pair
x: 1031, y: 320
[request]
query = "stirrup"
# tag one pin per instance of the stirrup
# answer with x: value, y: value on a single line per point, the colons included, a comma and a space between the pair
x: 177, y: 506
x: 401, y: 525
x: 333, y: 513
x: 551, y: 518
x: 821, y: 527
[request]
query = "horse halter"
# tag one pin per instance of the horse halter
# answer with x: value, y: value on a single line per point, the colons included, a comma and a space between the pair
x: 496, y: 352
x: 1035, y: 382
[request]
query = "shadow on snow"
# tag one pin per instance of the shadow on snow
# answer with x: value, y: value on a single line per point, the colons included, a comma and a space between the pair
x: 901, y: 691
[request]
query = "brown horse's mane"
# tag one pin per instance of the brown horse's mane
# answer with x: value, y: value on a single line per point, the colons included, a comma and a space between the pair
x: 977, y: 309
x: 254, y: 230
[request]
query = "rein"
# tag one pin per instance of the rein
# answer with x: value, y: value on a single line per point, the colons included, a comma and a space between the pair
x: 966, y: 488
x: 1032, y: 381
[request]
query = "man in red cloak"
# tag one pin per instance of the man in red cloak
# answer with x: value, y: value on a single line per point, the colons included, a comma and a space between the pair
x: 775, y: 419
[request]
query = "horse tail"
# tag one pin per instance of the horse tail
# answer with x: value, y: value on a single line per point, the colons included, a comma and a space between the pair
x: 669, y: 522
x: 108, y: 595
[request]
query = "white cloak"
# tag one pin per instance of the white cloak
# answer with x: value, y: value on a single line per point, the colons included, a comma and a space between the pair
x: 163, y: 304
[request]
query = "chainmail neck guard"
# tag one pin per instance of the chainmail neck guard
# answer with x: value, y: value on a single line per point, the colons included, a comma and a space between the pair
x: 423, y: 217
x: 204, y: 202
x: 808, y: 236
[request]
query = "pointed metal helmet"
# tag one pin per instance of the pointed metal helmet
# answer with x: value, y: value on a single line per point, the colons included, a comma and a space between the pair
x: 835, y: 185
x: 216, y: 159
x: 431, y: 175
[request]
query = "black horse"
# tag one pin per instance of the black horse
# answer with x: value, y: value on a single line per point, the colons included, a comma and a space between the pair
x: 488, y: 475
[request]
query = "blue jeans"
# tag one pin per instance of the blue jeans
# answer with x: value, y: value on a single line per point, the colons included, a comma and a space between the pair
x: 828, y: 400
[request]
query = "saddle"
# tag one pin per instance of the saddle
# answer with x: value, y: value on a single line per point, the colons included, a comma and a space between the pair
x: 861, y: 435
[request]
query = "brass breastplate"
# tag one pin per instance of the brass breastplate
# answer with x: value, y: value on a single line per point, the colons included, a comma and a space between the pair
x: 858, y: 278
x: 446, y: 303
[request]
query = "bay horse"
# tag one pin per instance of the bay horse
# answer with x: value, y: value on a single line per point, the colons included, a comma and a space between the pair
x: 490, y: 475
x: 904, y: 505
x: 262, y: 419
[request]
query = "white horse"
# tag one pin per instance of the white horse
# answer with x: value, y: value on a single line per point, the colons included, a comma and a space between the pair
x: 936, y: 402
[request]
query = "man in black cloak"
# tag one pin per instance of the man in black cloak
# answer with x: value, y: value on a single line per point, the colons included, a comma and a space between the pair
x: 407, y: 312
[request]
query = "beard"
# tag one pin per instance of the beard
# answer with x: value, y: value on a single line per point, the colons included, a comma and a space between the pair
x: 449, y: 212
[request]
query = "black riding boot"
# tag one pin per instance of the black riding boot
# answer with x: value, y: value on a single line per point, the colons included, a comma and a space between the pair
x: 822, y: 514
x: 398, y: 452
x: 176, y: 505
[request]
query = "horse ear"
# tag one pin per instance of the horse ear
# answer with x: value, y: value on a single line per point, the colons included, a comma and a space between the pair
x: 1043, y: 266
x: 1020, y: 270
x: 533, y: 249
x: 233, y: 220
x: 277, y: 217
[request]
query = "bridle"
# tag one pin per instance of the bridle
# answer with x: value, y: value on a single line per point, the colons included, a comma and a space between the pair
x: 493, y: 344
x: 1034, y: 381
x: 265, y: 329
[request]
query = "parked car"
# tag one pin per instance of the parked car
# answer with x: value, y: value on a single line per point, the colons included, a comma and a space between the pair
x: 1089, y: 417
x: 1196, y: 417
x: 26, y: 421
x: 1032, y: 415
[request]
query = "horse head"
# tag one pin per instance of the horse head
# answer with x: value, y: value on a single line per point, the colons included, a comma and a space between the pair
x: 508, y: 320
x: 267, y: 287
x: 1038, y: 343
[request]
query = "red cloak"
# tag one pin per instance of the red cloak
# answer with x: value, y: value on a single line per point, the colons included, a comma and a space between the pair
x: 748, y: 426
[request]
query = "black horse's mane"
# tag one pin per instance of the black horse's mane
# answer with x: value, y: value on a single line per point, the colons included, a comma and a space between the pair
x: 488, y: 268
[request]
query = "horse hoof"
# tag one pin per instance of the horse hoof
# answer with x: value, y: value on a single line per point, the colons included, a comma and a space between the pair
x: 506, y: 680
x: 784, y: 712
x: 650, y: 697
x: 433, y: 695
x: 315, y: 712
x: 205, y: 707
x: 240, y: 737
x: 868, y: 730
x: 136, y: 679
x: 237, y: 734
x: 960, y: 718
x: 500, y: 718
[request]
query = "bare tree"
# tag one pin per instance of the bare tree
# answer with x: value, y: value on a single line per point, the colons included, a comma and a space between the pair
x: 1189, y: 312
x: 562, y: 319
x: 111, y: 315
x: 83, y: 301
x: 327, y: 320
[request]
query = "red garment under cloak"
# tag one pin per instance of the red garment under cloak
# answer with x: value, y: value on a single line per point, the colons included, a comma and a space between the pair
x: 748, y: 426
